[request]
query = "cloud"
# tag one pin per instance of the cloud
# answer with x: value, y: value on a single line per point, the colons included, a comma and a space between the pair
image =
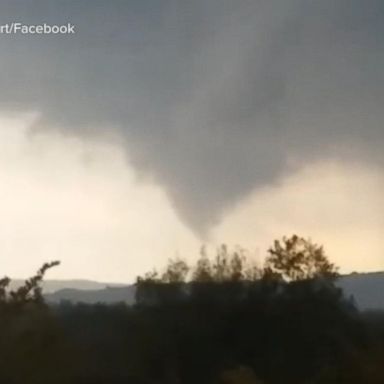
x: 208, y: 98
x: 79, y: 202
x: 338, y: 205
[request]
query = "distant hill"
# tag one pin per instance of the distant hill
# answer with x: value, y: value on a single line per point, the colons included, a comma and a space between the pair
x: 108, y: 295
x: 50, y: 286
x: 366, y: 288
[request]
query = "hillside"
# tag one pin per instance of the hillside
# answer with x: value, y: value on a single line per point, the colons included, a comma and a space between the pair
x: 50, y: 286
x: 107, y: 295
x: 366, y: 288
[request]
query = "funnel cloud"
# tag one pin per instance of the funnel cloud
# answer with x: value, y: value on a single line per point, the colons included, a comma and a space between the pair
x: 212, y: 99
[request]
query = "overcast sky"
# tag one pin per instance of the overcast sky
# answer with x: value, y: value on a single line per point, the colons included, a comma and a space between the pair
x: 162, y: 125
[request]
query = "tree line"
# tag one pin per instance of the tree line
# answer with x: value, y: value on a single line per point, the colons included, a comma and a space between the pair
x: 222, y: 320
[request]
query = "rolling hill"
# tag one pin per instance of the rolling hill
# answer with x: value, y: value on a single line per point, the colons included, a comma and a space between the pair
x: 367, y: 289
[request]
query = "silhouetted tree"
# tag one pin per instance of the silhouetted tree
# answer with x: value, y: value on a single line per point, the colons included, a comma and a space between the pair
x: 202, y: 272
x: 226, y: 266
x: 176, y: 271
x: 30, y: 291
x: 296, y: 258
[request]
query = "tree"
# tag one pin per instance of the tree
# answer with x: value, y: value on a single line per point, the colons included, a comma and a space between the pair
x: 30, y: 291
x: 169, y: 286
x: 226, y: 266
x: 176, y: 271
x: 296, y: 258
x: 33, y: 348
x: 202, y: 272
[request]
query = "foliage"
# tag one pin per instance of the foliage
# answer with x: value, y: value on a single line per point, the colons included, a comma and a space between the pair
x: 220, y: 321
x: 30, y: 291
x: 176, y: 271
x: 295, y: 258
x: 32, y: 348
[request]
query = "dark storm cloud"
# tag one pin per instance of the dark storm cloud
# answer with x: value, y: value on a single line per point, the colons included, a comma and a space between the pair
x: 211, y: 97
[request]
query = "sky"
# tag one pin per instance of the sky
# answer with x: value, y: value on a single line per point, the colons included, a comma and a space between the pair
x: 161, y: 126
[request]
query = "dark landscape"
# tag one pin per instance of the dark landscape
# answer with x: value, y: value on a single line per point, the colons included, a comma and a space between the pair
x: 200, y: 183
x: 365, y: 288
x: 222, y: 320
